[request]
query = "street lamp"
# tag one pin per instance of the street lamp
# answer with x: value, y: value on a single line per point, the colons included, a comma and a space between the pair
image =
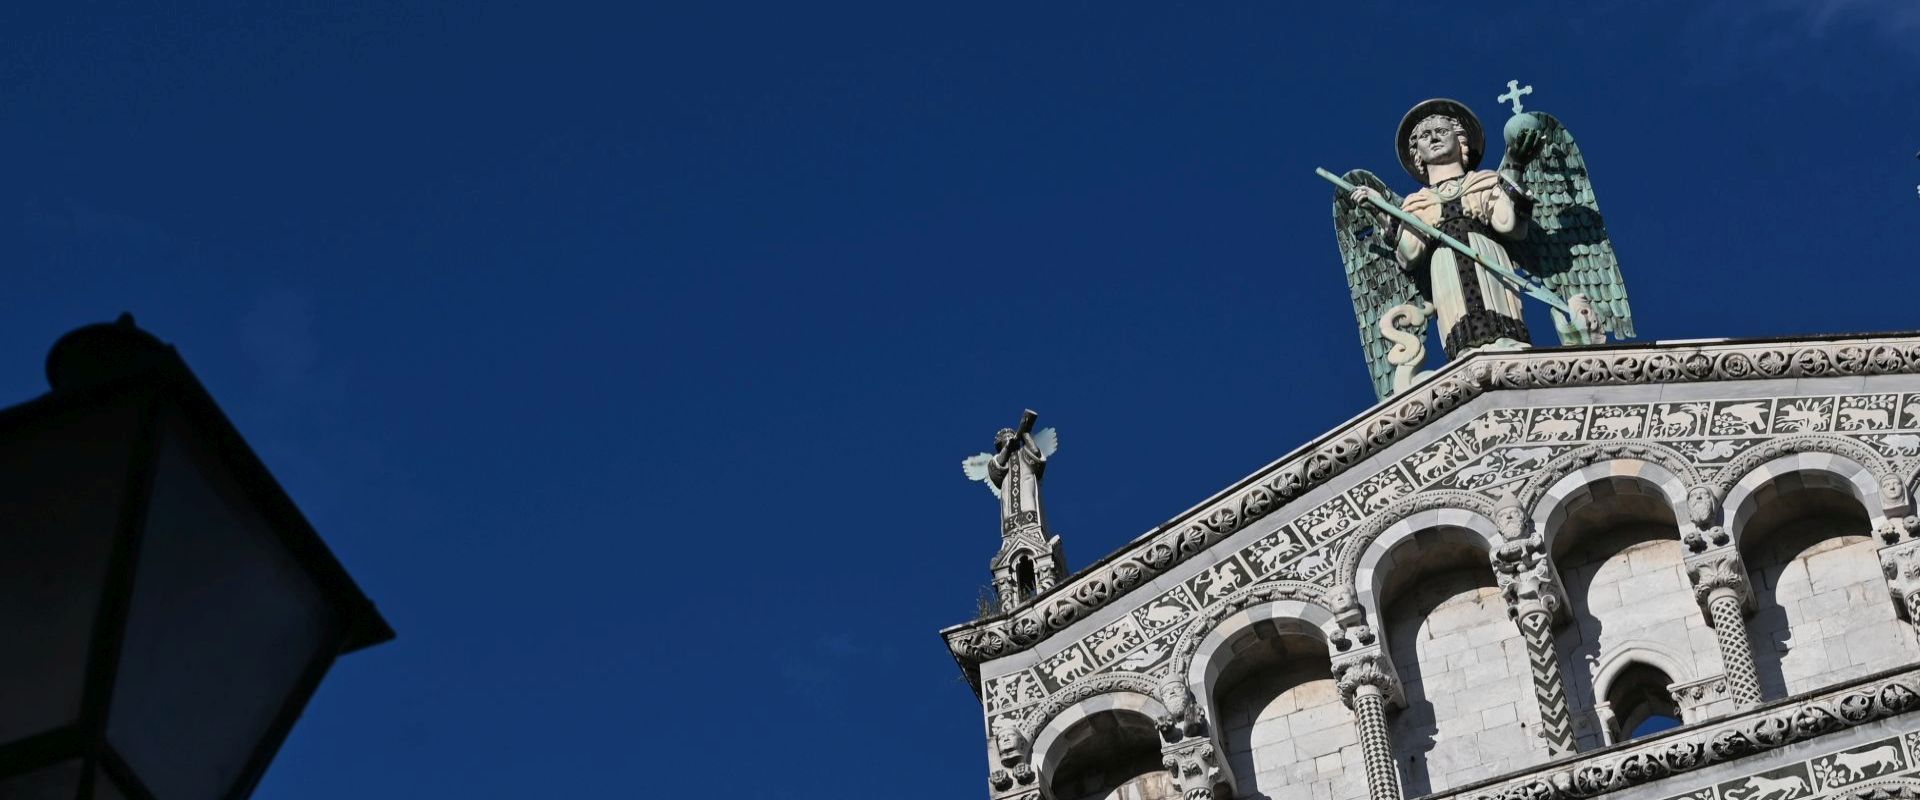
x: 165, y: 610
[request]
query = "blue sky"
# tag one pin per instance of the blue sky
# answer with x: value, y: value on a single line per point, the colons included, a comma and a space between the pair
x: 626, y: 353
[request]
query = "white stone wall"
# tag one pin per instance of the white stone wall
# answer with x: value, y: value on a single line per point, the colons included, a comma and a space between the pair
x: 1287, y: 735
x: 1825, y: 616
x: 1470, y: 710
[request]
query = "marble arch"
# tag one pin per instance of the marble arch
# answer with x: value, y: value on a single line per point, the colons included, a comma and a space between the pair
x: 1050, y: 741
x: 1212, y: 650
x: 1553, y: 505
x: 1745, y: 492
x: 1376, y: 561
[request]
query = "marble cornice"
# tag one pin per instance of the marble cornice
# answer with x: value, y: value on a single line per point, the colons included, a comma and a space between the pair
x: 1392, y: 421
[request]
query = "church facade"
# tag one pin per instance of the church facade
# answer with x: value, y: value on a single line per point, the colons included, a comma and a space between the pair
x: 1676, y: 571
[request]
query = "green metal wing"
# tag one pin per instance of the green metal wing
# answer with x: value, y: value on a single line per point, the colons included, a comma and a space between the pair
x: 1373, y: 275
x: 1568, y: 244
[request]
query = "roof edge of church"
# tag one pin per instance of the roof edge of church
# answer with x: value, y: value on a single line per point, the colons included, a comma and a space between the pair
x: 1388, y: 422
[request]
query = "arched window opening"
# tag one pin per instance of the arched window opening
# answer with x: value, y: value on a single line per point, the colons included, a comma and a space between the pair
x: 1641, y: 703
x: 1809, y: 548
x: 1112, y: 756
x: 1460, y: 660
x: 1616, y: 543
x: 1023, y: 577
x: 1278, y: 714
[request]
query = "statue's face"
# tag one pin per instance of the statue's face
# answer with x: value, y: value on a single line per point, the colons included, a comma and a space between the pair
x: 1435, y: 141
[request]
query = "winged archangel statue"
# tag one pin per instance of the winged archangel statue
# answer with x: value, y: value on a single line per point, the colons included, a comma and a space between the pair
x: 1012, y: 471
x: 1465, y: 246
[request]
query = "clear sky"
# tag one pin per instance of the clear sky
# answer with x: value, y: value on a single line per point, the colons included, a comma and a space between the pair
x: 626, y: 354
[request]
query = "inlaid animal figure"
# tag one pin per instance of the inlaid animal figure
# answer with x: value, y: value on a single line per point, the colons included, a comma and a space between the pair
x: 1311, y: 565
x: 1715, y: 450
x: 1682, y: 420
x: 1877, y: 760
x: 1004, y: 694
x: 1802, y: 418
x: 1486, y: 428
x: 1219, y: 584
x: 1557, y: 428
x: 1165, y: 613
x: 1905, y: 444
x: 1381, y: 497
x: 1144, y: 657
x: 1467, y: 476
x: 1105, y: 651
x: 1617, y: 427
x: 1426, y: 469
x: 1911, y: 414
x: 1073, y: 666
x: 1749, y: 415
x: 1270, y: 560
x: 1758, y: 788
x: 1524, y: 457
x: 1326, y: 527
x: 1856, y: 418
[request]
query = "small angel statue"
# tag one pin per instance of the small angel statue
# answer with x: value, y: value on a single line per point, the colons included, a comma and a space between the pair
x: 1012, y: 471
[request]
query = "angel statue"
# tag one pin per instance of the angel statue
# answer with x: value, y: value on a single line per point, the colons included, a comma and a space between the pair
x: 1471, y: 241
x: 1012, y: 471
x: 1030, y: 561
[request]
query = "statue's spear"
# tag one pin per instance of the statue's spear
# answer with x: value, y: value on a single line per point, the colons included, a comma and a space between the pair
x: 1542, y: 293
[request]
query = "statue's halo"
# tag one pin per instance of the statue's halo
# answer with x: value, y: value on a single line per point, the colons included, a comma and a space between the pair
x: 1476, y: 138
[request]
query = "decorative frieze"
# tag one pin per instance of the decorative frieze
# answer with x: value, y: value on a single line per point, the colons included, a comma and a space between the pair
x: 1312, y: 555
x: 1504, y: 445
x: 1755, y: 732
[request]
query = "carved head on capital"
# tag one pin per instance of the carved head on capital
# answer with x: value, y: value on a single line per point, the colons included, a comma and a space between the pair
x: 1702, y: 502
x: 1009, y: 743
x: 1893, y: 492
x: 1510, y: 518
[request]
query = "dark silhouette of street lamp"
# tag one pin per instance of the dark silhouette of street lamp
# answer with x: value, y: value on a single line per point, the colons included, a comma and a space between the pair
x: 165, y: 610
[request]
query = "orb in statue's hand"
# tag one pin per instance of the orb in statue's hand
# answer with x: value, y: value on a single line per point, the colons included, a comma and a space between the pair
x: 1524, y: 133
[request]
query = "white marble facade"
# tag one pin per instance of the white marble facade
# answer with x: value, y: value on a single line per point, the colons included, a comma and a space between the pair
x: 1353, y: 621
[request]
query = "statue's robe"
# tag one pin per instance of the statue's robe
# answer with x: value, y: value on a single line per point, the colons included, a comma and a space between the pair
x: 1475, y: 307
x: 1017, y: 472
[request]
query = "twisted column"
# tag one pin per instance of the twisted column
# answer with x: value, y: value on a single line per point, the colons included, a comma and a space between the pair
x: 1533, y: 600
x: 1720, y: 587
x: 1366, y: 686
x: 1549, y: 689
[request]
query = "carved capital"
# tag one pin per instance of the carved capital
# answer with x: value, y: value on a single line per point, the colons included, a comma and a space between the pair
x: 1900, y: 564
x: 1367, y: 668
x: 1520, y: 565
x: 1893, y: 529
x: 1718, y: 572
x: 1697, y: 697
x: 1185, y: 718
x: 1529, y: 589
x: 1194, y: 764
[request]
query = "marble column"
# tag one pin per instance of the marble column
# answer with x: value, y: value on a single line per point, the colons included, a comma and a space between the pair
x: 1720, y: 586
x: 1367, y: 686
x: 1534, y: 600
